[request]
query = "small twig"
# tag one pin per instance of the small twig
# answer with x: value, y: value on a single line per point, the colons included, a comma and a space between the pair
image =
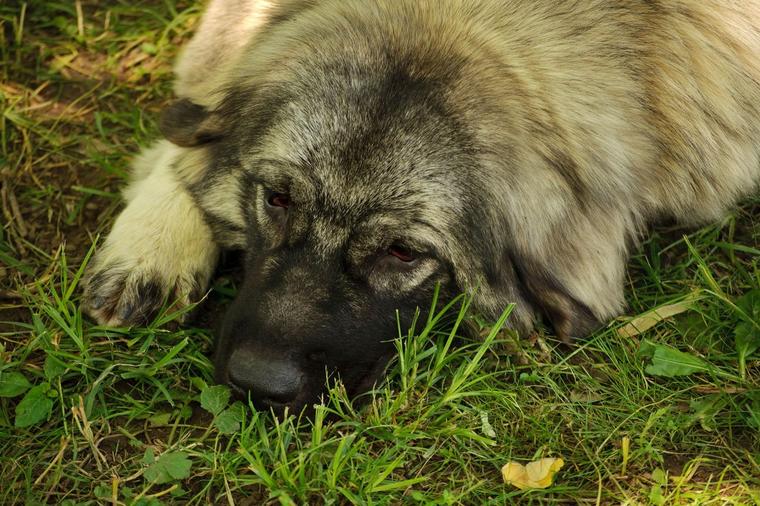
x: 56, y: 459
x: 10, y: 295
x: 20, y: 224
x: 157, y: 494
x: 80, y: 18
x: 114, y: 490
x: 83, y: 424
x: 709, y: 389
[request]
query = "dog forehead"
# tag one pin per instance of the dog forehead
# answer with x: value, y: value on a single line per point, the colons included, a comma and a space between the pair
x: 349, y: 162
x: 355, y: 142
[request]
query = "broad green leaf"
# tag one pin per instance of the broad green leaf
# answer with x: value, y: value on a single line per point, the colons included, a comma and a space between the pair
x: 53, y: 368
x: 102, y: 492
x: 670, y: 362
x: 750, y: 304
x: 169, y: 467
x: 646, y: 349
x: 228, y: 421
x: 13, y: 384
x: 34, y: 407
x: 215, y: 399
x: 199, y: 383
x: 148, y: 457
x: 747, y: 338
x: 177, y: 464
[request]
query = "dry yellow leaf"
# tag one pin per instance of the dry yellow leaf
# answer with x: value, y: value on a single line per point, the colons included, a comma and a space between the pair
x: 537, y: 474
x: 639, y: 324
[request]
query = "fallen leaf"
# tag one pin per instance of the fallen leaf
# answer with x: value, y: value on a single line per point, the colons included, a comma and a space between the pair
x: 537, y: 474
x: 640, y: 324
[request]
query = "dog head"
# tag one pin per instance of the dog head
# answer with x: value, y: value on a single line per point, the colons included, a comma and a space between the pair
x: 354, y: 197
x: 361, y: 177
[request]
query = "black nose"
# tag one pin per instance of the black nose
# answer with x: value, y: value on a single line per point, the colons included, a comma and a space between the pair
x: 271, y: 381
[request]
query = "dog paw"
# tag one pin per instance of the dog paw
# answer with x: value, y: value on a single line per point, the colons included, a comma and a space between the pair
x: 160, y: 251
x: 119, y: 295
x: 147, y: 262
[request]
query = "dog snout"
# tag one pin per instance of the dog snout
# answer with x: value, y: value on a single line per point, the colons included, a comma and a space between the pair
x: 271, y: 382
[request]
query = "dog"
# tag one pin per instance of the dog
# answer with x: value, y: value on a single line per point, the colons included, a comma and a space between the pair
x: 366, y: 153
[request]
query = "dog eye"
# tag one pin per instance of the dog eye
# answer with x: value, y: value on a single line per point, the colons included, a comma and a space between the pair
x: 402, y: 253
x: 279, y: 200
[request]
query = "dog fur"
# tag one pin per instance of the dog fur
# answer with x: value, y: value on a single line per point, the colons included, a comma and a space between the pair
x: 517, y: 147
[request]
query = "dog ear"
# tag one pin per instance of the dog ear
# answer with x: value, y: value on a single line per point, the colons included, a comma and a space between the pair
x: 569, y: 316
x: 188, y: 124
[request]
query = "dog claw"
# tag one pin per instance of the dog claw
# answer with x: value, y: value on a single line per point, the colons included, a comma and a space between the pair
x: 127, y: 312
x: 97, y: 303
x: 117, y: 297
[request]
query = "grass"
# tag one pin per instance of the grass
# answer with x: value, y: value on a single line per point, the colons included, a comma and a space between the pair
x: 127, y: 416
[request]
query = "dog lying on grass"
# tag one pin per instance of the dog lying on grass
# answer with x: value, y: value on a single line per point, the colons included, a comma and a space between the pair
x: 363, y: 152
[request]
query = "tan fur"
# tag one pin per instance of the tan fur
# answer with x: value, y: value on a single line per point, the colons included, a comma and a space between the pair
x: 650, y: 109
x: 591, y: 119
x: 160, y: 237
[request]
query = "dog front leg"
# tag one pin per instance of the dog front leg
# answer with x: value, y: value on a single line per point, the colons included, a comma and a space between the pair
x: 159, y: 250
